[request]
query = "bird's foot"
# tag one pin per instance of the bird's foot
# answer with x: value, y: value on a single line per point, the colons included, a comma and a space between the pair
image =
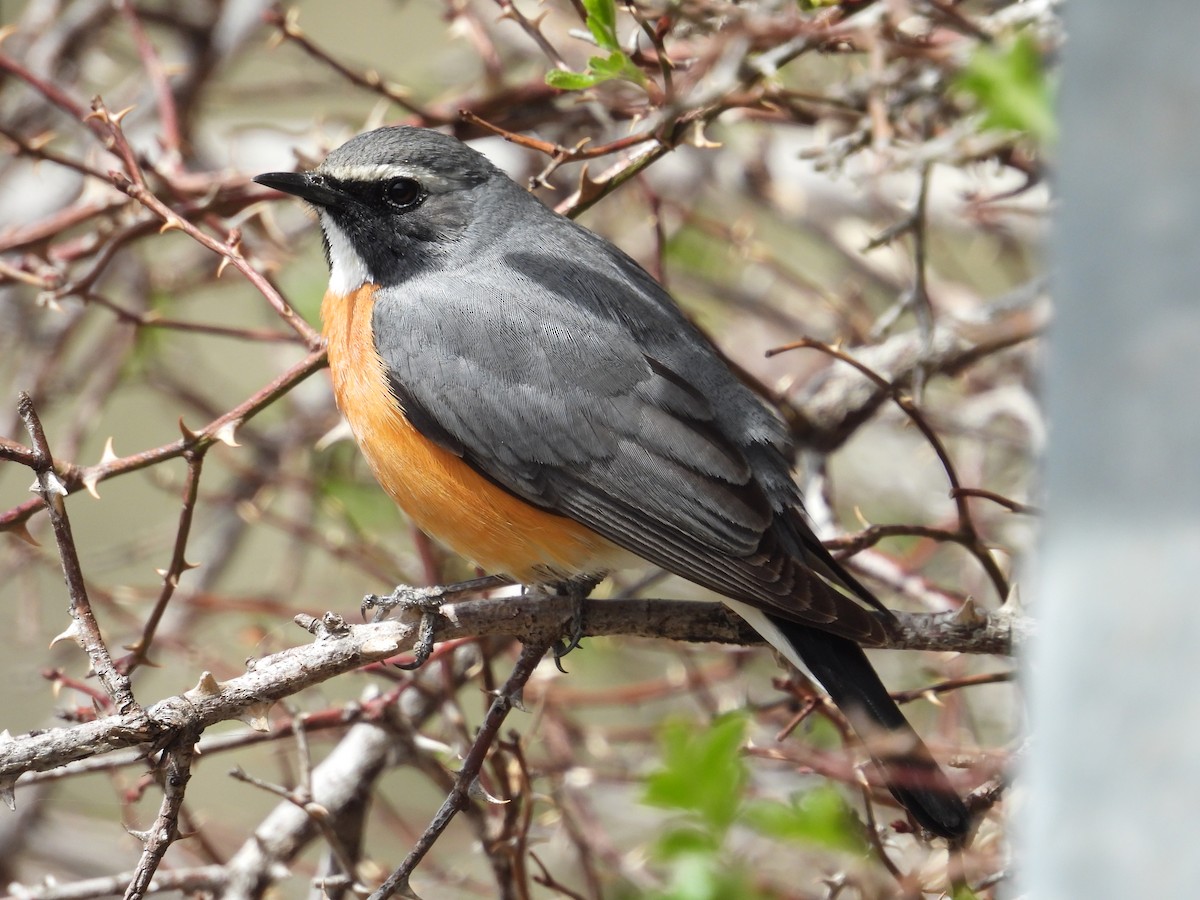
x: 576, y: 592
x: 422, y: 599
x: 427, y: 602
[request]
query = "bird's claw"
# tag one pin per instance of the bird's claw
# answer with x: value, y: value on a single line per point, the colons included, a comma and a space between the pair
x: 576, y: 593
x: 427, y: 602
x: 380, y: 606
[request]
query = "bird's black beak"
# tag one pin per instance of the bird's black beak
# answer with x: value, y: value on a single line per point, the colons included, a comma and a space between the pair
x: 310, y: 186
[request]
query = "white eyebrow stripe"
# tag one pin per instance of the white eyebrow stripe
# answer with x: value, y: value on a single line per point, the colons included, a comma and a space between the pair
x: 385, y: 171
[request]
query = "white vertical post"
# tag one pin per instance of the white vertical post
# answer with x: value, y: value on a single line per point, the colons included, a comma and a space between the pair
x: 1111, y: 790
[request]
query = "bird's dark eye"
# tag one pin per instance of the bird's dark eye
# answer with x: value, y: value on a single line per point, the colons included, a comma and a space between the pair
x: 402, y: 193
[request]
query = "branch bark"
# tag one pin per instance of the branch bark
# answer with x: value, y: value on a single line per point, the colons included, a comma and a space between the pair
x: 341, y: 648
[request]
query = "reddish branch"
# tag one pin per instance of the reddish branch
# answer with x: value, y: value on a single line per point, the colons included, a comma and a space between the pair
x: 967, y: 533
x: 223, y: 428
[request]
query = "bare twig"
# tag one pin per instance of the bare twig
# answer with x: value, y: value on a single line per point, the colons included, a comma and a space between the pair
x: 343, y: 648
x: 75, y: 478
x: 140, y: 650
x: 229, y: 252
x: 177, y: 771
x: 168, y: 115
x: 507, y: 697
x: 84, y: 626
x: 287, y: 21
x: 966, y: 523
x: 953, y: 684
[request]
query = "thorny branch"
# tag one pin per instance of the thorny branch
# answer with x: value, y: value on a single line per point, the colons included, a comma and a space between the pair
x: 84, y: 626
x: 75, y: 478
x: 176, y: 771
x: 140, y: 650
x: 967, y: 534
x: 464, y: 782
x: 342, y: 648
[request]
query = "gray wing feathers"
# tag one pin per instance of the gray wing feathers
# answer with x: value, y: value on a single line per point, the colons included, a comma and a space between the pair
x: 548, y: 386
x: 530, y: 382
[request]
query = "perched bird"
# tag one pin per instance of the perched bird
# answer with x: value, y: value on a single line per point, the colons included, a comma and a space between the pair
x: 535, y: 400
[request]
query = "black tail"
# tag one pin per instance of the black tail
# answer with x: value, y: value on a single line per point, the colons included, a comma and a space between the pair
x: 909, y: 769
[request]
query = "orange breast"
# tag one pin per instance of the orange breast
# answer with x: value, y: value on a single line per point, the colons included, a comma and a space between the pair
x: 444, y: 496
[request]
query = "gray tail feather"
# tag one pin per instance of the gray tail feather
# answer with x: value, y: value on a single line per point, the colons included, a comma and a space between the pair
x: 910, y: 771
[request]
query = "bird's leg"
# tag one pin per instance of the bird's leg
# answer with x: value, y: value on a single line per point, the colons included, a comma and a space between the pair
x: 577, y: 590
x: 405, y: 596
x: 426, y: 601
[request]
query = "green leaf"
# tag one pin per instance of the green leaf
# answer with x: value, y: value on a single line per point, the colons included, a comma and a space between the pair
x: 962, y: 892
x: 1011, y: 89
x: 703, y: 772
x: 570, y: 81
x: 678, y: 842
x: 602, y: 22
x: 819, y: 816
x: 616, y: 65
x: 600, y: 68
x: 695, y: 877
x: 706, y: 876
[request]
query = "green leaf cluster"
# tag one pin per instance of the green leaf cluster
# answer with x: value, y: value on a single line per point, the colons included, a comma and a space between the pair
x: 1011, y: 89
x: 703, y: 777
x: 602, y: 23
x: 702, y: 773
x: 819, y: 816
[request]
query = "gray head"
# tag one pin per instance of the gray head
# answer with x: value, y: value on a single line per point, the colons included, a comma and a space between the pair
x: 398, y: 201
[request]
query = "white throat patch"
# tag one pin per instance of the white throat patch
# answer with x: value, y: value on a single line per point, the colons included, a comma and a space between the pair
x: 347, y: 270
